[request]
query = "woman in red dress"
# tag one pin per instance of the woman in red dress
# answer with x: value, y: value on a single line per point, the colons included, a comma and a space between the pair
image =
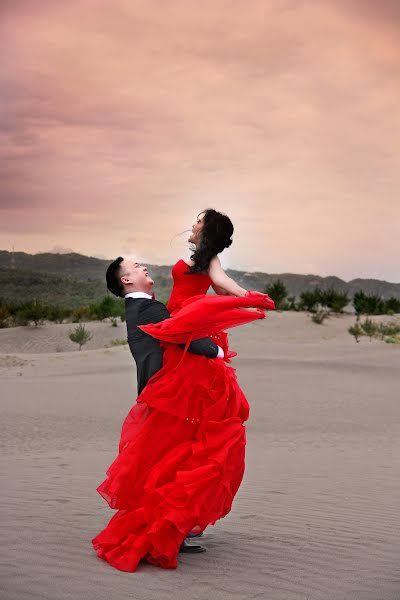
x: 210, y: 235
x: 182, y: 447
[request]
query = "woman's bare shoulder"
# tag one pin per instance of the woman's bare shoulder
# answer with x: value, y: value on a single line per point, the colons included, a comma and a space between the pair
x: 215, y: 263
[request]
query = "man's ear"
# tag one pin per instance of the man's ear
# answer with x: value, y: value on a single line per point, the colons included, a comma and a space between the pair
x: 125, y: 279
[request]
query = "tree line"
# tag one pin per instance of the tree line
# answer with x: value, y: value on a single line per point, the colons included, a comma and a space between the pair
x: 334, y: 300
x: 13, y: 314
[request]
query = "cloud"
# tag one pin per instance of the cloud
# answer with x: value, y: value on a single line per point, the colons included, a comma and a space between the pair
x: 122, y: 123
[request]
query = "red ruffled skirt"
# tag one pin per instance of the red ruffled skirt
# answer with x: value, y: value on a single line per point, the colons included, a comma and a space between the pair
x: 182, y: 447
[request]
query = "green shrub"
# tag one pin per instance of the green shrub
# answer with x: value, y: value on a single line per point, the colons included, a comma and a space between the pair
x: 357, y: 331
x: 80, y: 314
x: 392, y: 306
x: 290, y: 303
x: 57, y: 314
x: 119, y: 342
x: 309, y: 299
x: 278, y: 292
x: 370, y: 328
x: 108, y: 308
x: 19, y: 319
x: 368, y: 304
x: 392, y: 340
x: 319, y: 316
x: 31, y: 312
x: 389, y: 332
x: 334, y: 300
x: 4, y: 317
x: 389, y: 329
x: 80, y: 335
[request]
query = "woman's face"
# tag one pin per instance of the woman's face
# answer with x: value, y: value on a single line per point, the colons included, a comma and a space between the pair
x: 195, y: 236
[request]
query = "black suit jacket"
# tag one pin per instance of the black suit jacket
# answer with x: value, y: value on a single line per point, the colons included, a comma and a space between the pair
x: 145, y: 349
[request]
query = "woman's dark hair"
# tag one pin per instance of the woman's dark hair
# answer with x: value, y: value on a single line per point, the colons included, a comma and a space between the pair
x: 215, y: 237
x: 113, y: 277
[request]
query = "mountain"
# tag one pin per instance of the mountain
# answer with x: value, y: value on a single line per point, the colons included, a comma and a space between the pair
x: 19, y: 286
x: 73, y: 279
x: 70, y: 280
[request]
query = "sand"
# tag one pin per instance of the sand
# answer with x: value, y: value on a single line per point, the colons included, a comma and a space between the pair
x: 50, y: 338
x: 317, y: 516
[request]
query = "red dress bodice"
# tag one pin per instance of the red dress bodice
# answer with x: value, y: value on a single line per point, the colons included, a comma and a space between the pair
x: 186, y: 286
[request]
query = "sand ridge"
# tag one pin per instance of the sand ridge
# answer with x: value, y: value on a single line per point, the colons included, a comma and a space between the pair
x: 317, y: 516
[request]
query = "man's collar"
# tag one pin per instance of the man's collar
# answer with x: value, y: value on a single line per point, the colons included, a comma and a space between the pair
x: 138, y: 295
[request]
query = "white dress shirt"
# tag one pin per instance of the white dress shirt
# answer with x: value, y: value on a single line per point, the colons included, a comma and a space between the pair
x: 139, y: 295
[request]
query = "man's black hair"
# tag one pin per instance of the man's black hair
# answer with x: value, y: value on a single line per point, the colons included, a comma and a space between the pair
x: 113, y: 278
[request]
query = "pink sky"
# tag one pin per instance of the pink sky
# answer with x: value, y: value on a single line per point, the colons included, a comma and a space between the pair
x: 120, y: 121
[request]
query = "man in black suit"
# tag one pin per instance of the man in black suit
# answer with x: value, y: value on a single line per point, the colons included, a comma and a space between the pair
x: 132, y: 280
x: 129, y: 279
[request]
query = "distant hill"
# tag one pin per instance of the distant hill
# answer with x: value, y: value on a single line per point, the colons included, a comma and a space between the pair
x: 69, y: 280
x: 19, y: 286
x: 71, y: 265
x: 73, y: 279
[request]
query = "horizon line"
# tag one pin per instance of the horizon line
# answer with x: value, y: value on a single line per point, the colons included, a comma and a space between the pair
x: 227, y: 269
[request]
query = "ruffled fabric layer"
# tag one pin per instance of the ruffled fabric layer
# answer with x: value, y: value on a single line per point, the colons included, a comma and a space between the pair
x: 205, y: 316
x: 181, y: 458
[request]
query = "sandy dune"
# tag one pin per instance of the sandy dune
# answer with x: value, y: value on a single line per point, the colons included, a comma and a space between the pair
x: 50, y: 338
x: 317, y: 516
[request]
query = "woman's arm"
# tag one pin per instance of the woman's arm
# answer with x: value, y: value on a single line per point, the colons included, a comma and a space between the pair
x: 221, y: 283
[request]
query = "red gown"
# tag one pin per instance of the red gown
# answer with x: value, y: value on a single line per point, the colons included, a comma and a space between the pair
x: 182, y: 446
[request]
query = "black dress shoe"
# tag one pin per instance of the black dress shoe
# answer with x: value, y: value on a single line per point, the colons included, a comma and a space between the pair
x: 189, y: 549
x: 193, y: 534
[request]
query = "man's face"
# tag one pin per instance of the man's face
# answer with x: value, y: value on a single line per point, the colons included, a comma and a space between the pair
x: 135, y: 276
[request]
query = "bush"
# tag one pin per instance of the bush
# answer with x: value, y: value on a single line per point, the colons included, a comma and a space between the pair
x: 356, y: 330
x: 389, y: 332
x: 80, y: 314
x: 57, y: 314
x: 18, y: 318
x: 319, y: 316
x: 80, y: 335
x: 290, y: 303
x: 309, y: 299
x: 370, y: 328
x: 334, y: 300
x: 108, y: 308
x: 368, y: 304
x: 31, y: 312
x: 389, y: 329
x: 392, y: 340
x: 278, y: 292
x: 119, y: 342
x: 4, y: 317
x: 392, y: 306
